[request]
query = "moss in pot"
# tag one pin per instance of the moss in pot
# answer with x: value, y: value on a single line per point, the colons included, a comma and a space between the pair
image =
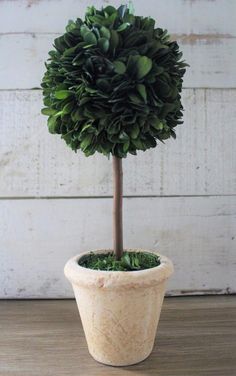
x: 113, y: 85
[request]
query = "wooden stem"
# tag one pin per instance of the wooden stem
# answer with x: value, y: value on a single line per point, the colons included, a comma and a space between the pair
x: 117, y: 207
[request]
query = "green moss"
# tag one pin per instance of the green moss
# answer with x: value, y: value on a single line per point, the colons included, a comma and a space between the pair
x: 130, y: 261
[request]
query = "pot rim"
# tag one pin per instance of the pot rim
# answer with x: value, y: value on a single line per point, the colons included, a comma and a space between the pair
x: 81, y: 276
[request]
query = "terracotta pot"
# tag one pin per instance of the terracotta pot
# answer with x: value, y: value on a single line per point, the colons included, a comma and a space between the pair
x: 119, y: 310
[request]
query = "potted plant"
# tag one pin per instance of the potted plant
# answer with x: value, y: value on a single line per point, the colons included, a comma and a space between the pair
x: 112, y: 85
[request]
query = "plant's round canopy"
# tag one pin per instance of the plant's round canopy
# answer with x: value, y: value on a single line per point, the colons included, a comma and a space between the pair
x: 113, y: 82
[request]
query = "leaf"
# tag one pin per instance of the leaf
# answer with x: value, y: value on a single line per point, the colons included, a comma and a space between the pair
x: 123, y: 136
x: 138, y: 144
x: 60, y: 44
x: 135, y: 99
x: 157, y: 124
x: 103, y: 84
x: 90, y: 38
x: 126, y: 260
x: 168, y: 107
x: 76, y: 115
x: 142, y: 91
x: 126, y: 146
x: 70, y: 51
x: 131, y: 7
x: 110, y: 21
x: 48, y: 111
x: 86, y: 142
x: 110, y: 10
x: 52, y: 124
x: 173, y: 135
x: 62, y: 94
x: 120, y: 67
x: 104, y: 32
x: 135, y: 131
x: 114, y: 40
x: 144, y: 65
x: 103, y: 43
x: 122, y: 10
x: 70, y: 26
x: 123, y: 27
x: 86, y: 126
x: 68, y: 108
x: 84, y: 100
x: 148, y: 23
x: 84, y: 30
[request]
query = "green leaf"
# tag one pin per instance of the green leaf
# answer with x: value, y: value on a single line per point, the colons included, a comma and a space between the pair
x: 126, y: 260
x: 103, y: 43
x: 142, y: 91
x: 85, y: 127
x: 70, y: 51
x: 168, y: 107
x: 123, y: 136
x: 131, y: 7
x: 70, y: 26
x: 138, y: 144
x: 68, y: 108
x: 173, y: 135
x: 90, y: 38
x: 52, y: 124
x: 62, y: 94
x: 104, y: 32
x: 86, y: 142
x: 122, y: 10
x: 123, y: 27
x: 76, y: 115
x: 156, y: 123
x: 110, y: 10
x: 135, y: 131
x: 114, y: 40
x: 126, y: 146
x: 48, y: 111
x: 144, y: 65
x: 103, y: 84
x: 84, y: 100
x: 59, y: 43
x: 120, y: 67
x: 135, y: 99
x: 84, y: 30
x: 148, y: 23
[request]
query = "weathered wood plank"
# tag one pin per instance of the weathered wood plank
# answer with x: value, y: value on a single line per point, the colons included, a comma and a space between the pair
x: 179, y: 17
x: 202, y: 161
x: 212, y: 60
x: 22, y: 59
x: 196, y: 337
x: 38, y: 236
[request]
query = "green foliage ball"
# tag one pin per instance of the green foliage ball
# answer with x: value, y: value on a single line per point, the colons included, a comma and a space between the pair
x: 113, y: 82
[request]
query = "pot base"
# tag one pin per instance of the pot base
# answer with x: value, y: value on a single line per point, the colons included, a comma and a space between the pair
x: 123, y: 364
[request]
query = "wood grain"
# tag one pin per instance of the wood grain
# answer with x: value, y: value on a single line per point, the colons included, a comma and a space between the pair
x: 207, y: 37
x: 196, y: 337
x: 202, y: 161
x: 200, y: 17
x: 212, y: 59
x: 39, y: 236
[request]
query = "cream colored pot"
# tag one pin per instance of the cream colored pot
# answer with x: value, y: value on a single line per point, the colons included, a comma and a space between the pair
x: 119, y: 310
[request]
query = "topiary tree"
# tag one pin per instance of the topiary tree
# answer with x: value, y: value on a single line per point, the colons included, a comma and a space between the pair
x: 112, y: 85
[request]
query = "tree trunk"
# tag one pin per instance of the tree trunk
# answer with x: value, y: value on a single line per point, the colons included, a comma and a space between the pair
x: 117, y: 207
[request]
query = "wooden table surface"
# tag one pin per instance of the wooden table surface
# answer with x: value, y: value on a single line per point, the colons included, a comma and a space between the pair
x: 196, y: 336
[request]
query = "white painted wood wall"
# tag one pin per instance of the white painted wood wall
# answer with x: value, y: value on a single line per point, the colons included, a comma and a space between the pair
x: 180, y: 197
